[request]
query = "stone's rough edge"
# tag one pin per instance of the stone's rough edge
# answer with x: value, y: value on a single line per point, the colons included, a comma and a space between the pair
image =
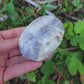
x: 29, y: 30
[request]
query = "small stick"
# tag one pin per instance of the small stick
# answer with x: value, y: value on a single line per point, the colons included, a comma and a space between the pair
x: 58, y: 71
x: 71, y: 17
x: 4, y: 5
x: 23, y: 12
x: 59, y: 77
x: 69, y: 48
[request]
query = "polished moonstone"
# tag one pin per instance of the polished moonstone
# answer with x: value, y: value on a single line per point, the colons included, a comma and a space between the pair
x: 41, y: 37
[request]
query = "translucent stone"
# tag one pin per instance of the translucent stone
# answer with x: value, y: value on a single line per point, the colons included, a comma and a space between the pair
x: 41, y: 37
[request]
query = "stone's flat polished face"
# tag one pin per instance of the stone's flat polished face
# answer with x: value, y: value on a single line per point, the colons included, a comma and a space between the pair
x: 41, y: 37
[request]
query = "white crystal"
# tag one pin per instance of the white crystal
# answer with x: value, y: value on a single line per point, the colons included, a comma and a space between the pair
x: 41, y: 37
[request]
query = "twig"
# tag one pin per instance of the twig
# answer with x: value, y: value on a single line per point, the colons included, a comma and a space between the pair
x: 23, y: 12
x: 56, y: 69
x: 60, y: 74
x: 69, y: 48
x: 72, y: 17
x: 70, y: 81
x: 4, y: 5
